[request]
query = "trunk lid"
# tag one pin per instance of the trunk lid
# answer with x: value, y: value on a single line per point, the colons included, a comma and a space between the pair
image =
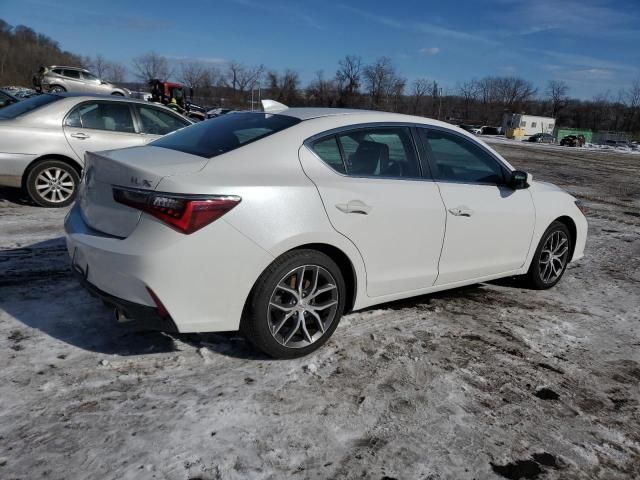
x: 137, y: 167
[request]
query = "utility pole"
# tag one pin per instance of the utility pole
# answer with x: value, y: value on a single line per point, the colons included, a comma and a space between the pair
x: 440, y: 101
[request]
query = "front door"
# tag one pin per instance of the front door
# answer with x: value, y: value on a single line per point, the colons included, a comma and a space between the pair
x: 373, y: 192
x: 489, y: 225
x: 101, y: 125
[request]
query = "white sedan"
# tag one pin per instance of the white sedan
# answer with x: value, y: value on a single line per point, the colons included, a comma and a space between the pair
x: 278, y: 223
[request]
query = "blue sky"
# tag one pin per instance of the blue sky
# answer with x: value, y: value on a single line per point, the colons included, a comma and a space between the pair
x: 593, y: 45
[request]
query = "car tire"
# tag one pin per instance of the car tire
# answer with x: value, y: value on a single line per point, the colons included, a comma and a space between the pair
x: 295, y: 305
x: 551, y: 257
x: 57, y: 89
x: 52, y: 183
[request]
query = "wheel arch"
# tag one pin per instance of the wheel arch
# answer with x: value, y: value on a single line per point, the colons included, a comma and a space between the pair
x: 61, y: 158
x: 344, y: 264
x: 568, y: 222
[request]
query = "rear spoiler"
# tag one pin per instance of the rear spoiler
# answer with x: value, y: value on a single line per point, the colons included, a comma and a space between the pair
x: 271, y: 106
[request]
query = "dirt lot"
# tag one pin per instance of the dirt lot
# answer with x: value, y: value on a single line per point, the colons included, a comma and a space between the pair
x: 490, y: 381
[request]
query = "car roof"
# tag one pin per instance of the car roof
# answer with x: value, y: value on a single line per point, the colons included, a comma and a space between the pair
x: 313, y: 113
x: 80, y: 69
x: 115, y: 98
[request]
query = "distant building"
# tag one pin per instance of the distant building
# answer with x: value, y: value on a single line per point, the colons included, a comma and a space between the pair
x: 523, y: 126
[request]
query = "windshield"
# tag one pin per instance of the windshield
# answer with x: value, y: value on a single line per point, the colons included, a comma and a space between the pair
x: 28, y: 105
x: 222, y: 134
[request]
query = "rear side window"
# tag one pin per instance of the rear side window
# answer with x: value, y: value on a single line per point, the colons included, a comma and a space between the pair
x: 110, y: 116
x: 28, y: 105
x: 379, y: 152
x: 226, y: 133
x: 327, y: 149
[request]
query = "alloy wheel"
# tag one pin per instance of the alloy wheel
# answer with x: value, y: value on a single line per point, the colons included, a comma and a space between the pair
x: 553, y: 256
x: 55, y: 185
x: 303, y: 306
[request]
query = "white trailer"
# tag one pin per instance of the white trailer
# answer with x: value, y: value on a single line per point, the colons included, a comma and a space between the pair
x: 530, y: 124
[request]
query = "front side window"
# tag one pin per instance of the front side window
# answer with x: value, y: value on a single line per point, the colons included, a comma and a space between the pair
x: 386, y: 152
x: 110, y: 116
x: 226, y: 133
x: 156, y: 122
x: 89, y: 76
x: 456, y: 159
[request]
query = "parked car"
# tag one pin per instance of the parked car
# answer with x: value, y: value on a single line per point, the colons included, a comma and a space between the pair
x: 44, y: 139
x: 277, y: 223
x: 489, y: 130
x: 573, y: 141
x: 471, y: 129
x: 7, y: 99
x: 216, y: 112
x: 542, y: 138
x: 57, y: 79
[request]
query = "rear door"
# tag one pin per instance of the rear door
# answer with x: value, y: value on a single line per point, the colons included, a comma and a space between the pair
x: 371, y: 184
x: 489, y: 225
x: 101, y: 125
x: 73, y: 82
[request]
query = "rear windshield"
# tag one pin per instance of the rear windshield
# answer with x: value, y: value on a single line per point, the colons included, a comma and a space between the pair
x: 225, y: 133
x: 28, y: 105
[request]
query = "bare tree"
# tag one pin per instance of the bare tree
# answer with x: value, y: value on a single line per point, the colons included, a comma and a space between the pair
x: 381, y: 81
x: 557, y: 91
x: 116, y: 72
x: 193, y: 74
x: 321, y: 92
x: 421, y: 88
x: 151, y: 66
x: 284, y: 88
x: 241, y: 78
x: 348, y: 78
x: 469, y: 92
x: 99, y: 65
x: 631, y: 100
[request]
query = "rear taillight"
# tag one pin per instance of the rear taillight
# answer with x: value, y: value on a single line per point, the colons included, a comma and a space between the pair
x: 185, y: 213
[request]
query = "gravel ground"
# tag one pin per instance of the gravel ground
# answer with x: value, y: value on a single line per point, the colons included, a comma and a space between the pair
x: 490, y: 381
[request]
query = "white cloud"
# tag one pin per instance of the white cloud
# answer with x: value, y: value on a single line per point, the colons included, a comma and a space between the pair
x: 430, y: 50
x: 419, y: 27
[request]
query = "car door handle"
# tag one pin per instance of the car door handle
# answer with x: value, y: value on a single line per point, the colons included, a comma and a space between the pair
x: 354, y: 206
x: 80, y: 135
x: 461, y: 211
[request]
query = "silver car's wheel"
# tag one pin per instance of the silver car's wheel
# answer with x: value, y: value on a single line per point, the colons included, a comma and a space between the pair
x: 303, y: 305
x: 57, y: 89
x: 553, y: 256
x: 295, y: 304
x: 52, y: 183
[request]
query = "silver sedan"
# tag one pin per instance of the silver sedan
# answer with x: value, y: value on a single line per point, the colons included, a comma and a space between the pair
x: 43, y: 139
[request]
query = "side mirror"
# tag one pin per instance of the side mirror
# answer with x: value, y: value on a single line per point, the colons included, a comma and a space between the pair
x: 103, y: 82
x: 519, y: 180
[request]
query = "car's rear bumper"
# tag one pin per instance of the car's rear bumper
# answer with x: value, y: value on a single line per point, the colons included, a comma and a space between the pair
x: 202, y: 280
x: 138, y: 316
